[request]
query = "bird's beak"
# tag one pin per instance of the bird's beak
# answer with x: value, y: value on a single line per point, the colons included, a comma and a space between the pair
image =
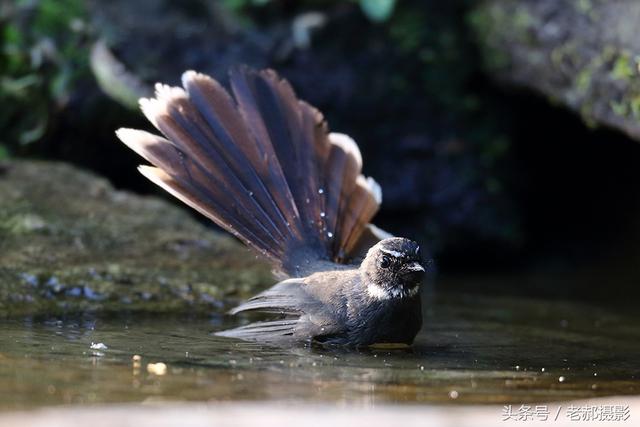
x: 413, y: 273
x: 415, y: 266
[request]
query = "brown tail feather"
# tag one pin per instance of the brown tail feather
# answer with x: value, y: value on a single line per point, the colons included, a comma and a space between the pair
x: 263, y: 166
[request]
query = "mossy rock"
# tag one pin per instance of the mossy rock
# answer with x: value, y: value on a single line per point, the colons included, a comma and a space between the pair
x: 584, y: 54
x: 70, y: 242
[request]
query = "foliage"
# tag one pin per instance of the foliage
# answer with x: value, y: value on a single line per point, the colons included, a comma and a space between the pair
x: 43, y: 54
x: 374, y: 10
x: 377, y: 10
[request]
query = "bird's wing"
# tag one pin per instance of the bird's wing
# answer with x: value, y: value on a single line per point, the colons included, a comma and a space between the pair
x: 307, y: 314
x: 289, y: 297
x: 261, y: 164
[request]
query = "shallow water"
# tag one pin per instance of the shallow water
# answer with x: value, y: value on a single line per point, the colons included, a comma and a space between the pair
x: 473, y: 349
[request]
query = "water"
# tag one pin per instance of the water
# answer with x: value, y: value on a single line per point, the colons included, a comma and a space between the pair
x: 474, y: 348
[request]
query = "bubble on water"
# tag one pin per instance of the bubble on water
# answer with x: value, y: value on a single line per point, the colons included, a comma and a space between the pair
x: 98, y: 346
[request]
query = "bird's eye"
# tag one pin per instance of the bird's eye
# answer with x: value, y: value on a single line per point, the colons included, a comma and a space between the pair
x: 385, y: 262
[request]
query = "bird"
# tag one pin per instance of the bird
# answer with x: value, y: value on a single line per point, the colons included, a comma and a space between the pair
x: 263, y: 165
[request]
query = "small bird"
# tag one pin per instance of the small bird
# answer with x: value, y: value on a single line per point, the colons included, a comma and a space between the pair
x: 263, y: 165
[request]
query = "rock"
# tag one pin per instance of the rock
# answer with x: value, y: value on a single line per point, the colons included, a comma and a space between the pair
x: 584, y: 54
x: 70, y: 242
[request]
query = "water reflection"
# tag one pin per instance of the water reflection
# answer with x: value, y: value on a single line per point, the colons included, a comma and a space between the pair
x: 473, y: 348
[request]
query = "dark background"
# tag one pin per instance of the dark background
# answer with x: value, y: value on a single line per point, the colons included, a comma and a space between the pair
x: 492, y: 179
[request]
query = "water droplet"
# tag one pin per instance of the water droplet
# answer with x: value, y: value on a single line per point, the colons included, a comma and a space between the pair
x: 251, y: 193
x: 322, y: 214
x: 320, y: 190
x: 329, y: 234
x: 561, y: 379
x: 98, y: 346
x: 542, y: 370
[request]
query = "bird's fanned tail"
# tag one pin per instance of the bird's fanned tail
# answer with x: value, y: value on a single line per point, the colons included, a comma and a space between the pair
x: 260, y: 164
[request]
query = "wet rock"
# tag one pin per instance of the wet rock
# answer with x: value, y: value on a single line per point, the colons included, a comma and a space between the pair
x: 580, y: 53
x: 70, y: 242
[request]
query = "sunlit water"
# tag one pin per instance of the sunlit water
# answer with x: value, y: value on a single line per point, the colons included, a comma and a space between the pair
x: 473, y: 349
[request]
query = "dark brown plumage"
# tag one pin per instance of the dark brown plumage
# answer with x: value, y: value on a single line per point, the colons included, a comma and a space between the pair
x: 263, y: 166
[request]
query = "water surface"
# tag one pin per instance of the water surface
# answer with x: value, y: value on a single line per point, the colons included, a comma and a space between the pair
x: 474, y: 348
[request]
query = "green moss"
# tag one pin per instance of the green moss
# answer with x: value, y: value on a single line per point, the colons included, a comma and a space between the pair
x: 482, y: 21
x: 492, y: 23
x: 583, y: 80
x: 108, y: 251
x: 623, y: 67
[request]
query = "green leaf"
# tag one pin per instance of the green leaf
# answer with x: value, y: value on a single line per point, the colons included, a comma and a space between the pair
x: 377, y: 10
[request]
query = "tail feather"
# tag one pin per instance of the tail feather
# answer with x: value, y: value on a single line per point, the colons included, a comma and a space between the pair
x: 248, y: 155
x: 275, y: 117
x: 216, y: 212
x: 362, y: 203
x: 202, y: 187
x: 261, y: 165
x: 183, y: 125
x: 345, y: 162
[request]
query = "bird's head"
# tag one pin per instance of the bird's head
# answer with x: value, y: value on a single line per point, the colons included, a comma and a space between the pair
x: 393, y: 269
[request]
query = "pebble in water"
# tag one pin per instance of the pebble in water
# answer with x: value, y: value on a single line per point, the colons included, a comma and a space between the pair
x: 157, y: 368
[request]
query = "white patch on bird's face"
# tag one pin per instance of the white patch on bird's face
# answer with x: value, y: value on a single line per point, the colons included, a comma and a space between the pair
x: 380, y: 293
x: 394, y: 254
